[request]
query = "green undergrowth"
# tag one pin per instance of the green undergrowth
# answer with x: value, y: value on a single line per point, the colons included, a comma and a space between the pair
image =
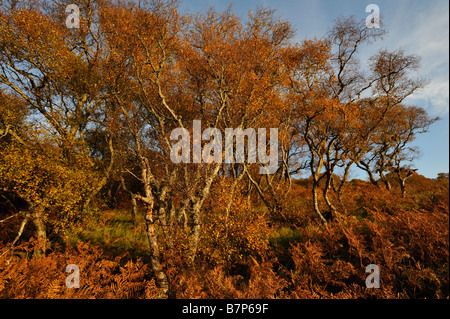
x: 115, y: 232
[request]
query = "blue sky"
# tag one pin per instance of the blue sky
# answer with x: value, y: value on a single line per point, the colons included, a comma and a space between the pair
x: 419, y: 27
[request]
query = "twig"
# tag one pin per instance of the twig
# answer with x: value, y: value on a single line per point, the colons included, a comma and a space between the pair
x: 3, y: 220
x: 19, y: 234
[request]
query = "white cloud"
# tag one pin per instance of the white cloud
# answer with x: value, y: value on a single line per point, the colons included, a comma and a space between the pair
x: 425, y: 32
x: 434, y: 97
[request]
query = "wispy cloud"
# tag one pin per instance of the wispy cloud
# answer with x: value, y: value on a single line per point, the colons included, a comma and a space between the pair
x: 434, y: 97
x: 424, y: 30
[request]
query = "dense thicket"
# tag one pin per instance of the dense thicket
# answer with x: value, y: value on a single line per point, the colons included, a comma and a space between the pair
x: 87, y: 117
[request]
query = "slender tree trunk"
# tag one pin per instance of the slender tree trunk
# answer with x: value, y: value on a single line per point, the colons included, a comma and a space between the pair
x: 325, y: 194
x: 133, y: 206
x: 386, y: 182
x: 343, y: 182
x: 197, y: 217
x: 41, y: 232
x: 182, y: 215
x: 315, y: 176
x: 403, y: 187
x: 149, y: 200
x: 163, y: 212
x: 271, y: 202
x: 249, y: 195
x: 316, y: 202
x: 402, y: 180
x: 161, y: 278
x: 22, y: 227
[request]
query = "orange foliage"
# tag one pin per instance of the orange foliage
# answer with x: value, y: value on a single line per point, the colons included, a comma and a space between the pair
x: 105, y: 99
x: 45, y: 277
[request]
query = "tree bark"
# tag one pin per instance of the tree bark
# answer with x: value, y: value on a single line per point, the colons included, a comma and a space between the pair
x: 316, y: 202
x: 149, y: 200
x: 197, y: 217
x: 41, y: 232
x: 403, y: 187
x: 161, y: 278
x: 325, y: 194
x: 386, y: 182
